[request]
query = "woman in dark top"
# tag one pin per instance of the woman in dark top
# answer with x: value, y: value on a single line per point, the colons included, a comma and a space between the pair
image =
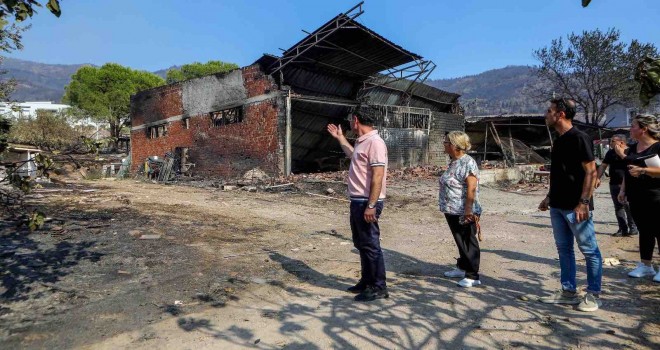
x: 618, y: 169
x: 641, y: 188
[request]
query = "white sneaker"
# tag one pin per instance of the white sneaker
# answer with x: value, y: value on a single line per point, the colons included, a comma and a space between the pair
x: 467, y: 283
x: 642, y: 270
x: 657, y: 277
x: 455, y: 273
x: 590, y: 303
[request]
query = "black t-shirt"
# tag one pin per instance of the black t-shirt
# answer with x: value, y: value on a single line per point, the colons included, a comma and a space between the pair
x: 618, y: 167
x: 643, y: 187
x: 569, y: 151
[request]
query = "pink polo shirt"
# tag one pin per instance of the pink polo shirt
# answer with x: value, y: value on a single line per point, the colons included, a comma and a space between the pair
x: 369, y: 151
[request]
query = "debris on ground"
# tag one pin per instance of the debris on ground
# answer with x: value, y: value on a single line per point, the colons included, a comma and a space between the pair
x: 256, y: 174
x: 611, y: 262
x: 521, y: 186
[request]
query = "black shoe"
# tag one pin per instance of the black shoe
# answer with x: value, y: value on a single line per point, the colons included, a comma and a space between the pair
x: 358, y: 288
x: 619, y: 234
x: 633, y: 232
x: 371, y: 293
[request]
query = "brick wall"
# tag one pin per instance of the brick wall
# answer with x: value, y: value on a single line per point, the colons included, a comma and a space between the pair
x: 228, y: 150
x: 441, y: 124
x: 156, y: 104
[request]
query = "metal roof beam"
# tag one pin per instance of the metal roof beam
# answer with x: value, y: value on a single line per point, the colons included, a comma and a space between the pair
x: 338, y: 47
x: 411, y: 87
x: 309, y: 60
x: 324, y: 32
x: 321, y: 100
x: 418, y: 96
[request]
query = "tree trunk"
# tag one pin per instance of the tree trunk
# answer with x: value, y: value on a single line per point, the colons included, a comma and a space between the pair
x: 115, y: 130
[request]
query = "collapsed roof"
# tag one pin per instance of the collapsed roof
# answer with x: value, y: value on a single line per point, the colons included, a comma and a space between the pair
x: 339, y: 65
x: 529, y: 130
x: 346, y: 60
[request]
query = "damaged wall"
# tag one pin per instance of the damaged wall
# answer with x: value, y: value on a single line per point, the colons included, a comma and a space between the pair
x: 213, y: 93
x: 190, y: 115
x: 405, y: 147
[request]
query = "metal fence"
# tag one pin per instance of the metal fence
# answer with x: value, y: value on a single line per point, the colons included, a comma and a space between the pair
x: 405, y: 131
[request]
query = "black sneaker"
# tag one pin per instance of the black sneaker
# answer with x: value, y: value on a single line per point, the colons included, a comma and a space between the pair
x: 633, y: 232
x: 619, y: 234
x: 371, y: 293
x: 358, y: 288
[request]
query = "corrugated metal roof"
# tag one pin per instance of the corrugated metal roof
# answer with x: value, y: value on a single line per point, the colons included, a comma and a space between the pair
x: 352, y: 49
x: 339, y: 64
x: 322, y: 83
x: 424, y: 96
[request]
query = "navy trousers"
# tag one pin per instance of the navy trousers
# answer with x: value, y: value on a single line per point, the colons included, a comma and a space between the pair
x: 366, y: 238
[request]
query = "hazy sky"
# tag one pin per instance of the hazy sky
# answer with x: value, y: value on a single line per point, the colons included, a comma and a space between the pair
x: 462, y: 37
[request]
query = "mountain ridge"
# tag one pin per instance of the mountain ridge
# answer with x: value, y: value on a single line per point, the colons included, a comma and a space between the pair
x: 495, y: 91
x: 491, y: 92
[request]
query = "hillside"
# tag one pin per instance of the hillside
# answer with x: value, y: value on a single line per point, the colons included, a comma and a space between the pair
x: 163, y: 72
x: 38, y: 81
x: 44, y: 82
x: 493, y: 92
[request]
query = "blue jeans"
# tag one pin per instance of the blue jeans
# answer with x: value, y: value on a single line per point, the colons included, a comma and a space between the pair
x: 566, y: 231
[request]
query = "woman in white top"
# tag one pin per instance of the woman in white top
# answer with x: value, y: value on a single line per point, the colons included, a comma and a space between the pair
x: 459, y: 200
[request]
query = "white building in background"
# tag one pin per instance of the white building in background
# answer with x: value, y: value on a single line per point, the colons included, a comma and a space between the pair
x: 24, y: 109
x: 16, y: 110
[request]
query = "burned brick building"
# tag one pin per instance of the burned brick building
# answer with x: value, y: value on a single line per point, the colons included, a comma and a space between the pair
x: 273, y: 114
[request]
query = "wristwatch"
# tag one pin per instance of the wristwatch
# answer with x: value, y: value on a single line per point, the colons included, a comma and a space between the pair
x: 584, y: 201
x: 371, y: 206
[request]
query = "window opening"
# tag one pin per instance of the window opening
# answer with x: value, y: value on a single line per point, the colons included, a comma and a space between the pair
x: 227, y: 116
x: 157, y: 131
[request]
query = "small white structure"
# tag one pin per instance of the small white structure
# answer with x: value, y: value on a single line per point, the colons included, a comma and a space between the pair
x: 16, y: 153
x: 24, y: 109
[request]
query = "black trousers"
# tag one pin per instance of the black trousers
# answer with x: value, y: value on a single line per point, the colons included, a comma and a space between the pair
x: 466, y: 240
x: 366, y: 238
x: 645, y: 213
x: 622, y: 211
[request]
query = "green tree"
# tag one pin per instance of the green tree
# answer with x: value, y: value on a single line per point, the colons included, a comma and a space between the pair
x: 594, y: 68
x: 19, y: 11
x: 196, y: 70
x: 105, y: 93
x: 647, y: 74
x: 49, y: 130
x: 10, y: 40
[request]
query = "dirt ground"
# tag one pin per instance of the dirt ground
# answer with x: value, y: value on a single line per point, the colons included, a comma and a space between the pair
x: 127, y: 264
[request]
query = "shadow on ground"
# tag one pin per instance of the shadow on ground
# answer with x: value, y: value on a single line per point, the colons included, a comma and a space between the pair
x: 429, y: 311
x: 24, y: 262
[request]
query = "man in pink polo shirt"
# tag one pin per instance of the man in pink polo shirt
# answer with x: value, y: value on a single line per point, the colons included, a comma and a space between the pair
x: 366, y: 188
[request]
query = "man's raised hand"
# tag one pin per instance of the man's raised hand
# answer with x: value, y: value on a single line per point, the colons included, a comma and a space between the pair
x: 335, y: 131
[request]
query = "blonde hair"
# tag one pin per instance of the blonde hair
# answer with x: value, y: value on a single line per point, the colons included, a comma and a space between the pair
x: 650, y: 122
x: 459, y: 139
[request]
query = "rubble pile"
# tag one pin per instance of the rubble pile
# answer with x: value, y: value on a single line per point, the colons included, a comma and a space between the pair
x: 523, y: 186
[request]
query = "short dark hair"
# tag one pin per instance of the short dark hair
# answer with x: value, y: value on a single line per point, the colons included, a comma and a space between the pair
x: 365, y: 114
x: 565, y: 105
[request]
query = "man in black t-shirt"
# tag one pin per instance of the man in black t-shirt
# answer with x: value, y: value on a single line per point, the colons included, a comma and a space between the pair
x: 572, y: 182
x: 618, y: 168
